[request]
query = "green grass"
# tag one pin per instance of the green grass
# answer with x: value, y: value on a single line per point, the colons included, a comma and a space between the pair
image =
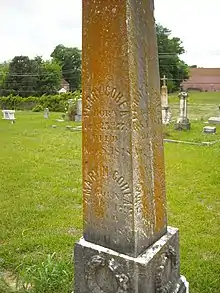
x: 200, y: 105
x: 40, y: 197
x: 40, y: 203
x: 194, y: 135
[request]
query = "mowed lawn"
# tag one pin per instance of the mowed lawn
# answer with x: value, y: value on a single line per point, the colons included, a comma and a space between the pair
x: 41, y: 196
x: 201, y: 106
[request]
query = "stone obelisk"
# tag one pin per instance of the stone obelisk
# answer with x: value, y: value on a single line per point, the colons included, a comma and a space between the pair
x: 126, y: 244
x: 166, y: 114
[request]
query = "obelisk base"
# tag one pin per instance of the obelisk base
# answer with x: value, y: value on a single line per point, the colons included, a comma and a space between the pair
x: 157, y: 270
x: 183, y: 125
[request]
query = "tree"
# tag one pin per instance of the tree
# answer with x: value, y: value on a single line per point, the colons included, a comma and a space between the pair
x: 70, y: 60
x: 28, y: 77
x: 169, y: 49
x: 22, y: 77
x: 4, y: 68
x: 49, y: 78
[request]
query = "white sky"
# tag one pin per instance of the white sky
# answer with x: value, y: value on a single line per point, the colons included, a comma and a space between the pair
x: 35, y: 27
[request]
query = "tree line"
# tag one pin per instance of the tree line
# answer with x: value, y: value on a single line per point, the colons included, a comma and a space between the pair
x: 27, y: 77
x: 34, y: 77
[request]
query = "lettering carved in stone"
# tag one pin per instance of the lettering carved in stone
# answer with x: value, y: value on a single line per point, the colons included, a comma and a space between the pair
x: 98, y: 272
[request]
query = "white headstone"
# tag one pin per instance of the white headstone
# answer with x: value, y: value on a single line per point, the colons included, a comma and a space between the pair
x: 166, y: 114
x: 214, y: 120
x: 209, y: 129
x: 78, y: 116
x: 46, y: 113
x: 9, y: 115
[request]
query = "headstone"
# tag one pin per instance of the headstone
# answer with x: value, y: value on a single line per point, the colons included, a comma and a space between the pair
x: 78, y: 116
x: 209, y: 129
x: 9, y: 115
x: 126, y: 245
x: 183, y: 121
x: 214, y: 120
x: 166, y: 114
x: 46, y: 113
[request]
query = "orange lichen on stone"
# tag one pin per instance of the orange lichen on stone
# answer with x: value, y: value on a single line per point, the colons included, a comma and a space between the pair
x: 159, y: 189
x: 123, y: 198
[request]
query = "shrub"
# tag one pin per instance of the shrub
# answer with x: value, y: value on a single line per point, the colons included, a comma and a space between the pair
x: 71, y: 111
x: 55, y: 103
x: 38, y: 108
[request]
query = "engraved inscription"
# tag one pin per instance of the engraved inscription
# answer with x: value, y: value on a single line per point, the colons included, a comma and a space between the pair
x: 112, y: 94
x: 122, y: 184
x: 88, y: 182
x: 107, y: 125
x: 101, y: 171
x: 125, y: 203
x: 139, y: 113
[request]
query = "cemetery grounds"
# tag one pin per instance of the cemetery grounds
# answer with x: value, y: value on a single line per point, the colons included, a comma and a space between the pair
x: 41, y: 199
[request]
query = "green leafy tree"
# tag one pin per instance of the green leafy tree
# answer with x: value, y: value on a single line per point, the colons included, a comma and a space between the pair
x: 169, y: 49
x: 49, y: 80
x: 4, y: 68
x: 70, y: 60
x: 22, y: 77
x: 28, y: 77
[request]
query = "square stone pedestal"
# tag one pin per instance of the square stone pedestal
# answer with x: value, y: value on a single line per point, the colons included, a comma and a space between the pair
x: 182, y: 126
x: 101, y: 270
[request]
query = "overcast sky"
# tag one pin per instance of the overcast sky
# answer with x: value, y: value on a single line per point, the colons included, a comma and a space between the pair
x: 35, y: 27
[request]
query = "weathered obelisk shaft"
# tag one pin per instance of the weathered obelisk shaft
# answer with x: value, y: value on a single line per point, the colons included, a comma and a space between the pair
x: 123, y: 161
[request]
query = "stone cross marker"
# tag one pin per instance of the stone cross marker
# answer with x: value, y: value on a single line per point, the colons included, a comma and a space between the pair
x: 126, y: 244
x: 166, y: 114
x: 183, y: 121
x: 164, y: 80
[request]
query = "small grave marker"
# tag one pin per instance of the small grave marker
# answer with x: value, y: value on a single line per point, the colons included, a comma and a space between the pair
x: 9, y: 115
x: 46, y: 113
x: 209, y: 129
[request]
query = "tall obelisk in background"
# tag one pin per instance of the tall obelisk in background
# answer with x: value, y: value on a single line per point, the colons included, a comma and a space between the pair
x: 166, y: 114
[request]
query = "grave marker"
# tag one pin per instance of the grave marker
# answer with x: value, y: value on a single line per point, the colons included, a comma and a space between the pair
x: 46, y: 113
x: 166, y: 114
x: 209, y: 129
x: 183, y: 121
x: 78, y: 116
x: 9, y: 115
x: 126, y: 244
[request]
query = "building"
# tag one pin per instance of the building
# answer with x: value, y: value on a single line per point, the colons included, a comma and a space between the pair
x: 65, y: 85
x: 203, y: 79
